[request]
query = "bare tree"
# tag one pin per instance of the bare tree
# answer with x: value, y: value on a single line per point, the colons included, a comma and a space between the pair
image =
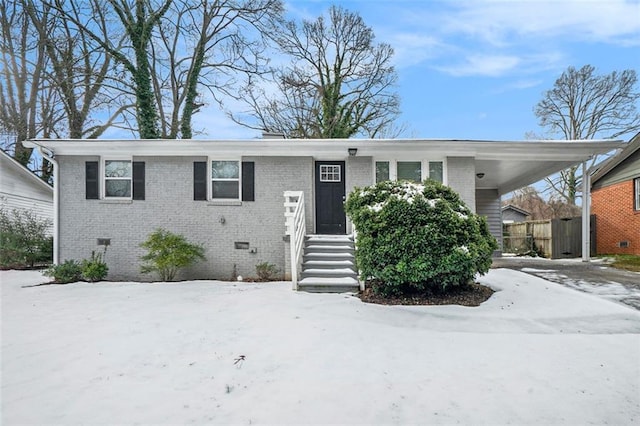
x: 339, y: 84
x: 226, y: 39
x: 585, y: 105
x: 136, y: 20
x: 529, y: 199
x: 78, y: 70
x: 53, y: 78
x: 22, y: 89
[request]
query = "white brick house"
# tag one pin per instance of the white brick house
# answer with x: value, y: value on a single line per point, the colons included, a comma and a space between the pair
x: 228, y: 194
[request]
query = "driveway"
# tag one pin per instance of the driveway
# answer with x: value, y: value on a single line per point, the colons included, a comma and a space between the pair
x: 594, y: 277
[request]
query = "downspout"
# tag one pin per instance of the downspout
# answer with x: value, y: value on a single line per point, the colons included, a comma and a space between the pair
x: 48, y: 155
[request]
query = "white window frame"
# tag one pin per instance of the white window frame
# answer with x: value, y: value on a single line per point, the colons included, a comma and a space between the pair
x: 103, y: 178
x: 424, y: 167
x: 333, y: 172
x: 636, y: 194
x: 210, y: 179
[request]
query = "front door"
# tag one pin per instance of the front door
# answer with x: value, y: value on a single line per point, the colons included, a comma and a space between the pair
x: 330, y: 196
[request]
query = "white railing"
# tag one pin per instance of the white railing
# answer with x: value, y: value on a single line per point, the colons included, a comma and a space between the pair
x: 296, y: 229
x: 354, y: 233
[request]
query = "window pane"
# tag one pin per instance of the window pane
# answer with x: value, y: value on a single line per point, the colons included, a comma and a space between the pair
x: 637, y: 185
x: 382, y: 171
x: 329, y: 173
x: 117, y: 169
x: 225, y: 169
x: 410, y: 170
x: 225, y: 189
x: 117, y: 188
x: 435, y: 170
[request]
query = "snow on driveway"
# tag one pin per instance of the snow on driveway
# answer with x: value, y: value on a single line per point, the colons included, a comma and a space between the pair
x: 126, y: 353
x: 611, y: 290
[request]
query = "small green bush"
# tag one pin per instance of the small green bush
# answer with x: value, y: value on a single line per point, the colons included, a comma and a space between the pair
x: 68, y: 272
x: 266, y: 271
x: 94, y: 269
x: 417, y: 238
x: 23, y: 239
x: 168, y: 253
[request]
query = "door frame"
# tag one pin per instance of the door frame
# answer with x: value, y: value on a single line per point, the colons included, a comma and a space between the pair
x: 317, y: 202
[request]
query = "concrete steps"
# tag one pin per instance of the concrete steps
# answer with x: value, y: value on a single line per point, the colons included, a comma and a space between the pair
x: 328, y: 265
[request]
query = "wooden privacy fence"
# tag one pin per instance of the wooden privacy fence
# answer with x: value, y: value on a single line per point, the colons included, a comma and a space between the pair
x: 527, y: 237
x: 556, y: 238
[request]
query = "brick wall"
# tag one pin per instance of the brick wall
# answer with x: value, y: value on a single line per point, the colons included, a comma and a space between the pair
x: 169, y: 204
x: 616, y: 219
x: 461, y: 177
x: 360, y: 174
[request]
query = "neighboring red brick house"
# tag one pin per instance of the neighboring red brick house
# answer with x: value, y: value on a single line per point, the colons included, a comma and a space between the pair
x: 615, y: 200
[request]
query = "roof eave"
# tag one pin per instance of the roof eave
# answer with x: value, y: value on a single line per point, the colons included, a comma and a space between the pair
x: 631, y: 147
x: 551, y: 150
x: 26, y: 172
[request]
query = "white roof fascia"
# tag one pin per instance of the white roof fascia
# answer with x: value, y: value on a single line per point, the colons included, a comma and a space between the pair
x: 489, y: 150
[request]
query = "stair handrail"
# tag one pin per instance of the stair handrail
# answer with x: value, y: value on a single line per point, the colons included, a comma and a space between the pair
x: 295, y: 223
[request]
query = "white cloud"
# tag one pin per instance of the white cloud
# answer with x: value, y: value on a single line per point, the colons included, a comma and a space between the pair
x: 485, y: 65
x: 413, y: 48
x: 499, y: 22
x: 498, y: 37
x: 499, y: 65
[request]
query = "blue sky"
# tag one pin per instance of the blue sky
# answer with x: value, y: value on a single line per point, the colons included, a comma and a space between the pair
x: 476, y: 69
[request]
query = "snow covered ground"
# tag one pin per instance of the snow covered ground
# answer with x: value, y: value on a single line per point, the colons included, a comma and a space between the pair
x: 611, y: 290
x: 125, y: 353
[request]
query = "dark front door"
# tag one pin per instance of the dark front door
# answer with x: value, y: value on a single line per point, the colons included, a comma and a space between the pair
x: 330, y: 195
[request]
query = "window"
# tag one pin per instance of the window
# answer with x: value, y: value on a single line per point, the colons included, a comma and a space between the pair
x: 415, y: 171
x: 117, y: 178
x: 636, y: 188
x: 225, y: 180
x: 410, y: 170
x: 382, y: 171
x: 435, y: 171
x: 330, y: 173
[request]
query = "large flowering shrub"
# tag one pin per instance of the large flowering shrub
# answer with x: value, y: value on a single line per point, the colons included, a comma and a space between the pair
x: 415, y: 238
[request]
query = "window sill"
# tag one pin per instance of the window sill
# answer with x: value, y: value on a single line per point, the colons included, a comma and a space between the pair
x: 224, y: 203
x: 116, y: 201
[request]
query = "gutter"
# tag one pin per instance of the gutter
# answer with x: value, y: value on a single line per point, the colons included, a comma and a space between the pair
x: 48, y: 155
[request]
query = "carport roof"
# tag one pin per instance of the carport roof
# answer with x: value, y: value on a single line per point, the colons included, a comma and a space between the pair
x: 506, y: 165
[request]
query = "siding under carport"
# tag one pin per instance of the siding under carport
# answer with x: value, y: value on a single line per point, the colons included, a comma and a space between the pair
x: 488, y: 205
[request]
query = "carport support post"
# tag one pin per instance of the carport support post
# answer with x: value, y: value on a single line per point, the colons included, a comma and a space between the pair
x: 586, y: 213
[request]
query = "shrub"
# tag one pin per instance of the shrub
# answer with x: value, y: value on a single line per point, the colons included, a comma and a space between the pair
x: 23, y: 239
x: 168, y: 253
x: 266, y: 271
x: 417, y: 238
x: 94, y: 269
x: 45, y: 251
x: 68, y: 272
